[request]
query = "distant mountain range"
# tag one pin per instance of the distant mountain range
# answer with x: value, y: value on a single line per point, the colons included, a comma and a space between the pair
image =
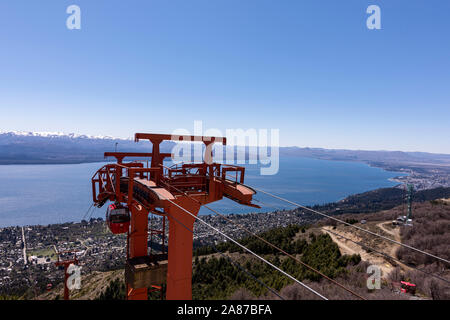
x: 51, y: 148
x: 372, y: 157
x: 16, y: 134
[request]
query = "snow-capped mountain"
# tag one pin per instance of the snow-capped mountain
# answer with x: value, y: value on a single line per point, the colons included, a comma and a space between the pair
x: 57, y: 135
x: 20, y: 147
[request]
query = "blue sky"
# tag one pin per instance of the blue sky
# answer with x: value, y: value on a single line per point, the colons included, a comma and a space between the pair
x: 309, y: 68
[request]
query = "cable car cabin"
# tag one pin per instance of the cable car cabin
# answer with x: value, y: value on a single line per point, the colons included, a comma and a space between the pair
x: 407, y: 287
x: 49, y: 287
x: 118, y: 219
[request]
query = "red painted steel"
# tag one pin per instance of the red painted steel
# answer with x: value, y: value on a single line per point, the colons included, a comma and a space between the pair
x: 118, y: 219
x: 66, y: 263
x: 147, y: 190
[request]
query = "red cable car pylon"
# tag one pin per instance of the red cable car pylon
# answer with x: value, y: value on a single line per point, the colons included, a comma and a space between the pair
x: 66, y: 263
x: 156, y: 190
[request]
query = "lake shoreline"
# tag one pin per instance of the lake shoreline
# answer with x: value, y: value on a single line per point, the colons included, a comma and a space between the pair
x: 48, y: 194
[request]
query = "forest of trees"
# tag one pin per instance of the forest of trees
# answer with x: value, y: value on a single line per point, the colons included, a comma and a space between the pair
x: 115, y: 291
x: 218, y: 278
x: 281, y: 237
x: 380, y: 199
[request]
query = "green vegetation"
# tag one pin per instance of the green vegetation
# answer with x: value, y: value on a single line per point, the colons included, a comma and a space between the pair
x: 281, y: 237
x: 44, y: 252
x: 115, y: 291
x: 6, y: 297
x: 379, y: 200
x: 215, y: 278
x: 218, y: 278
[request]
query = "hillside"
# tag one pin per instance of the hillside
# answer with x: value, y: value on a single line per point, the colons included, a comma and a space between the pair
x: 379, y: 199
x: 320, y: 245
x: 430, y: 233
x: 92, y: 284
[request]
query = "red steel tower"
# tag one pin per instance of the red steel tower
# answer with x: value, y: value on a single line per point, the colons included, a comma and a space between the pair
x: 138, y: 191
x: 66, y: 263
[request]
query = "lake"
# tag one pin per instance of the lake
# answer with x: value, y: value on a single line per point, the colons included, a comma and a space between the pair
x: 47, y: 194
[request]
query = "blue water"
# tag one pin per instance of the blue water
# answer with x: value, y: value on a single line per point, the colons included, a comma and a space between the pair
x: 46, y: 194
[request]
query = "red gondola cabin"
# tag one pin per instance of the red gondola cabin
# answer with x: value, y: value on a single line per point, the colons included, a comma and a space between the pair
x: 118, y: 219
x: 407, y: 287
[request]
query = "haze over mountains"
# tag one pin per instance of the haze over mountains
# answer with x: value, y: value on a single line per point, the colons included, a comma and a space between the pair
x: 51, y: 148
x: 372, y: 157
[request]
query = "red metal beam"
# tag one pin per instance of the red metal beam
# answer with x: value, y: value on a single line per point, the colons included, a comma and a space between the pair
x: 170, y: 137
x: 204, y: 184
x: 121, y: 155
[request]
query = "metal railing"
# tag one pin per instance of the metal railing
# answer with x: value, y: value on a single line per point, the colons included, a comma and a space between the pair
x: 108, y: 183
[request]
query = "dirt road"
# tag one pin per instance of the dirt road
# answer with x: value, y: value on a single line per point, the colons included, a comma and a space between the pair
x: 25, y: 260
x: 348, y: 247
